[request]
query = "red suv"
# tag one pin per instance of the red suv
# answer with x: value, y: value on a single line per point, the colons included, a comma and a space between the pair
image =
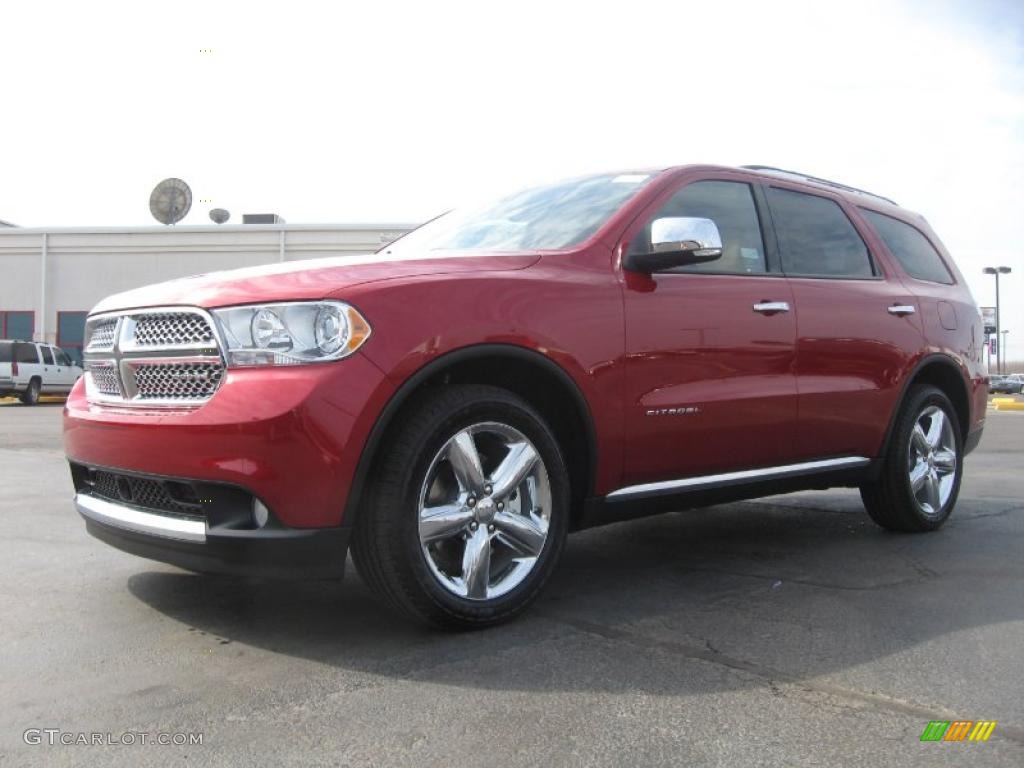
x: 575, y: 354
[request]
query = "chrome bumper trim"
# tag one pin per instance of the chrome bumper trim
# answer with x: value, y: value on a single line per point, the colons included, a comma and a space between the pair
x: 727, y: 478
x: 130, y: 519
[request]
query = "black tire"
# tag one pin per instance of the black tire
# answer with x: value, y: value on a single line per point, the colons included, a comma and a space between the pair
x: 386, y: 543
x: 890, y: 500
x: 31, y: 395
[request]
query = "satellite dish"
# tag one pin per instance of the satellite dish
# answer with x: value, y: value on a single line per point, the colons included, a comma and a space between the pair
x: 219, y: 215
x: 170, y: 201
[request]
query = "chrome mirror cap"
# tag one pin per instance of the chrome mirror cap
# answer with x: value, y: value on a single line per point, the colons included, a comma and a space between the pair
x: 697, y: 237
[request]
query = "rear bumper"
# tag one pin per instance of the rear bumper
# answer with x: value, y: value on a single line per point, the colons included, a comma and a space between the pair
x: 273, y: 552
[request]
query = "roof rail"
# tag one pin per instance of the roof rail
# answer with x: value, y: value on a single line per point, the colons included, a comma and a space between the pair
x: 819, y: 180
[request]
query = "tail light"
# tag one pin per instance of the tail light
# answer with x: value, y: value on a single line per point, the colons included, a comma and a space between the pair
x: 14, y: 368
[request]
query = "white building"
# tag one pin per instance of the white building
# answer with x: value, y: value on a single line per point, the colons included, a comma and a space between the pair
x: 50, y: 278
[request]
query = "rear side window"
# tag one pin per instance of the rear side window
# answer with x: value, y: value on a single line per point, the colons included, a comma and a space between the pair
x: 6, y: 348
x: 912, y: 250
x: 47, y: 355
x: 25, y: 353
x: 816, y: 238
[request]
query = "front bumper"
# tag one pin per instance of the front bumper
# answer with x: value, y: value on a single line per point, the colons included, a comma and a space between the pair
x: 274, y: 552
x: 290, y: 436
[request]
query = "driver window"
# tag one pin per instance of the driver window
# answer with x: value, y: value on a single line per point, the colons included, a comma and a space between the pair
x: 730, y: 204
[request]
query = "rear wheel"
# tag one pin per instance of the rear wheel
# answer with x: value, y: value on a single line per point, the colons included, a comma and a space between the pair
x: 920, y: 477
x: 467, y: 512
x: 31, y: 395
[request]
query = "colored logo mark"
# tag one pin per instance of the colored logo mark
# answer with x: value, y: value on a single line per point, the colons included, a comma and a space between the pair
x: 958, y: 730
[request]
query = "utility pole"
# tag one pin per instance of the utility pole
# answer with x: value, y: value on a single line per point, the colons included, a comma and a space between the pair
x: 997, y: 271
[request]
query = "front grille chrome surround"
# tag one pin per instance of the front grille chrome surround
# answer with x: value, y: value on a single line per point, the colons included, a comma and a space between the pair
x: 160, y: 357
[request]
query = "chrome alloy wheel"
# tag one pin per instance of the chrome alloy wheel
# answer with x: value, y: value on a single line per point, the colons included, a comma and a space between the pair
x: 932, y: 460
x: 484, y: 511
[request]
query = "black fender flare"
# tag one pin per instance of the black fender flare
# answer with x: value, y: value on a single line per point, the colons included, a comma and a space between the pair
x: 931, y: 359
x: 438, y: 365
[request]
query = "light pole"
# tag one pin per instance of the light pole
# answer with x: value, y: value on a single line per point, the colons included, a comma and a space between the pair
x: 997, y: 271
x: 1002, y: 350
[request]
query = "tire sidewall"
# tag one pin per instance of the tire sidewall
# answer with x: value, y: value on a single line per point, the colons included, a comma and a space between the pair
x: 32, y: 393
x: 515, y: 414
x: 922, y: 399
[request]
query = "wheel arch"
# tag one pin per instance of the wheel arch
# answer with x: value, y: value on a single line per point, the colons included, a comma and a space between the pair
x: 538, y: 379
x: 944, y: 373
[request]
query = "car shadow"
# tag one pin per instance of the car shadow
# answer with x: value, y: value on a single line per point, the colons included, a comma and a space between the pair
x: 794, y: 586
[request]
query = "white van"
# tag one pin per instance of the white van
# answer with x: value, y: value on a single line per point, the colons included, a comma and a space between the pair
x: 29, y: 369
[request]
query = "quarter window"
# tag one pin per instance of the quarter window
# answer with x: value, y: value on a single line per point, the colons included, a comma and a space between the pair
x: 730, y: 204
x: 816, y: 238
x: 25, y: 353
x: 912, y: 250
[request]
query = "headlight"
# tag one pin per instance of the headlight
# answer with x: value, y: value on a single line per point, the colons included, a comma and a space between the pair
x: 292, y: 333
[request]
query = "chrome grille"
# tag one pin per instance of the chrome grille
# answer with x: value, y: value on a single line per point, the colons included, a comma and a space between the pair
x: 171, y: 329
x: 102, y: 333
x: 164, y: 357
x: 104, y: 377
x: 177, y: 381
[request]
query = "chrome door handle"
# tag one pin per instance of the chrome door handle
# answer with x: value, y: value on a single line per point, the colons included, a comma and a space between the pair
x: 771, y: 307
x: 901, y: 309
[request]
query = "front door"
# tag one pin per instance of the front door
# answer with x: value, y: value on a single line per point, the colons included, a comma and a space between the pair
x: 710, y: 386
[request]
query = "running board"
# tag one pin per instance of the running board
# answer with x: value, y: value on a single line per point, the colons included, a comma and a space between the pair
x: 704, y: 482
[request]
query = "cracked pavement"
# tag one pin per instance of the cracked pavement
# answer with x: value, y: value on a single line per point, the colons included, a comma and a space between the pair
x: 786, y: 631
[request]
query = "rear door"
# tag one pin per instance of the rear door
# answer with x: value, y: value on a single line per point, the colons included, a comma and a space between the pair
x: 710, y: 386
x: 858, y: 329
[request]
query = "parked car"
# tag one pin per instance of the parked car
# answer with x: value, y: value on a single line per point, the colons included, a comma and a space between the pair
x: 29, y: 369
x: 1006, y: 385
x: 574, y: 354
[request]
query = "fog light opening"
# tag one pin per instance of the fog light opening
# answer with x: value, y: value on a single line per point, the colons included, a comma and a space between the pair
x: 260, y: 513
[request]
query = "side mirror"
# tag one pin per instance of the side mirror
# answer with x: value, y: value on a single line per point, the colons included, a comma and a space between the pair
x: 677, y: 241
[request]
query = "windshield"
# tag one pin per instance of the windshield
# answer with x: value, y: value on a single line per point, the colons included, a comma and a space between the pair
x: 555, y: 216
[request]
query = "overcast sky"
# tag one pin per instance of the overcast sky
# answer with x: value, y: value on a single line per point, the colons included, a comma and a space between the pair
x: 393, y: 111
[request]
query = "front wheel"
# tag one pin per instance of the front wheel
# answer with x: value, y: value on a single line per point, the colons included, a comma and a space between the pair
x: 920, y: 476
x: 467, y: 510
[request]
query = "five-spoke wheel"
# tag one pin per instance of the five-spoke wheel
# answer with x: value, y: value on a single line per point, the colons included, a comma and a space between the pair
x: 468, y: 510
x: 919, y: 479
x: 484, y: 510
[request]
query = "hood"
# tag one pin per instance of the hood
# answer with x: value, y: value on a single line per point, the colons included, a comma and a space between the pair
x: 301, y: 280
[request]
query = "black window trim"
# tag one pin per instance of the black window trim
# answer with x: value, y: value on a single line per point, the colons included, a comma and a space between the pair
x: 861, y: 210
x: 876, y: 271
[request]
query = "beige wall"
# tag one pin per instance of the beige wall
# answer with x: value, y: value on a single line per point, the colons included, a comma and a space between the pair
x: 81, y: 266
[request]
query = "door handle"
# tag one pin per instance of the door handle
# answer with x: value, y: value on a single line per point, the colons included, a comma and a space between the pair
x: 900, y: 310
x: 771, y: 307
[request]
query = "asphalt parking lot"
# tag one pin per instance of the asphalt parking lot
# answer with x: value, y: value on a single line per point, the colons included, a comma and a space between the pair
x: 788, y: 631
